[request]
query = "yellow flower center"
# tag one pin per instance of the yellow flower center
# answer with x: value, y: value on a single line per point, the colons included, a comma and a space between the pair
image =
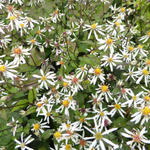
x: 136, y: 138
x: 134, y: 98
x: 21, y: 25
x: 104, y: 88
x: 145, y: 72
x: 140, y: 46
x: 66, y: 103
x: 70, y: 97
x: 82, y: 68
x: 68, y: 147
x: 97, y: 71
x: 48, y: 114
x: 82, y: 119
x: 130, y: 48
x: 147, y: 98
x: 12, y: 17
x: 101, y: 113
x: 65, y: 84
x: 117, y: 106
x: 68, y: 125
x: 17, y: 51
x: 33, y: 41
x: 2, y: 68
x: 61, y: 62
x: 93, y: 26
x: 56, y: 12
x: 109, y: 41
x: 68, y: 42
x: 36, y: 126
x: 22, y: 145
x: 117, y: 24
x: 123, y: 9
x: 39, y: 104
x: 43, y: 78
x: 38, y: 32
x: 110, y: 59
x: 148, y: 62
x: 146, y: 110
x: 148, y: 34
x: 98, y: 136
x: 57, y: 134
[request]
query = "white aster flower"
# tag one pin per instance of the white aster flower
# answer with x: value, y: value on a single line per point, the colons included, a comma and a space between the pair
x: 137, y: 138
x: 95, y: 28
x: 96, y: 73
x: 143, y: 115
x: 23, y: 143
x: 103, y: 90
x: 107, y: 43
x: 46, y: 78
x: 117, y: 107
x: 19, y: 53
x: 98, y: 137
x: 111, y: 60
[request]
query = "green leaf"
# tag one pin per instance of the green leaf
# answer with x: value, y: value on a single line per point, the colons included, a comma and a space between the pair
x: 30, y: 110
x: 47, y: 134
x: 21, y: 104
x: 30, y: 96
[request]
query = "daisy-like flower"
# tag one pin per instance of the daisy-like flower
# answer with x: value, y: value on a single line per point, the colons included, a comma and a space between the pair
x: 56, y: 16
x: 143, y: 73
x: 58, y: 135
x: 61, y: 63
x: 103, y: 90
x: 117, y: 107
x: 135, y: 99
x: 81, y: 72
x: 96, y: 73
x: 115, y: 28
x: 23, y: 143
x: 74, y: 83
x: 137, y: 138
x: 101, y: 114
x: 67, y: 147
x: 5, y: 41
x: 98, y: 137
x: 22, y: 28
x: 14, y: 125
x: 92, y: 51
x: 30, y: 22
x: 33, y: 42
x: 131, y: 74
x: 142, y: 115
x: 141, y: 51
x: 46, y: 112
x: 146, y: 37
x: 17, y: 2
x: 70, y: 131
x: 107, y: 43
x: 111, y: 60
x: 96, y: 100
x: 66, y: 105
x: 93, y: 28
x: 19, y: 53
x: 39, y: 126
x: 7, y: 70
x: 45, y: 79
x: 125, y: 56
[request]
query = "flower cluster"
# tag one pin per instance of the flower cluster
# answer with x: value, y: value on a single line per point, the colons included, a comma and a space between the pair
x: 79, y: 82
